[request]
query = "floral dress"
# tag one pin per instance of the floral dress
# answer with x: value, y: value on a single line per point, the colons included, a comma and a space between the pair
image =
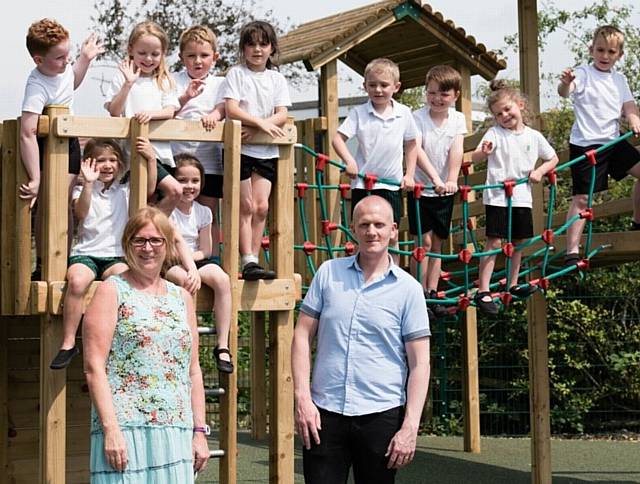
x: 148, y: 373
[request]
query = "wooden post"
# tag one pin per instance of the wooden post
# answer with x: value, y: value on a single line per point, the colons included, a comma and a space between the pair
x: 469, y: 324
x: 311, y: 204
x: 281, y: 326
x: 229, y: 381
x: 8, y: 208
x: 22, y: 248
x: 4, y: 400
x: 536, y: 305
x: 258, y: 376
x: 54, y: 197
x: 329, y: 106
x: 138, y: 182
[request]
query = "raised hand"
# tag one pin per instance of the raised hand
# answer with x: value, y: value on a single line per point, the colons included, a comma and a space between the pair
x: 91, y: 47
x: 145, y: 148
x: 130, y: 71
x: 195, y: 88
x: 487, y: 147
x: 89, y: 170
x: 567, y: 76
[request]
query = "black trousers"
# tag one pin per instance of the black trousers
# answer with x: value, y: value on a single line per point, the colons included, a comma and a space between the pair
x: 359, y: 441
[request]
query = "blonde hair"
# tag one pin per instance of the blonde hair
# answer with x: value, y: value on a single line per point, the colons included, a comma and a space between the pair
x: 44, y: 34
x: 611, y: 34
x: 383, y: 65
x: 160, y: 221
x: 151, y: 28
x: 200, y: 34
x: 500, y: 89
x: 446, y: 77
x: 95, y: 146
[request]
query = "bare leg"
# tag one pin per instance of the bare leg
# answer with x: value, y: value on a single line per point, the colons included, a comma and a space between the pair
x: 574, y: 232
x: 261, y: 188
x: 172, y: 191
x: 246, y: 211
x: 214, y: 277
x: 79, y: 278
x: 516, y: 261
x: 435, y: 263
x: 487, y: 264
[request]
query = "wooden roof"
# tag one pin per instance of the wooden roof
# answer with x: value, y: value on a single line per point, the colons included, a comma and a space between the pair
x: 409, y: 32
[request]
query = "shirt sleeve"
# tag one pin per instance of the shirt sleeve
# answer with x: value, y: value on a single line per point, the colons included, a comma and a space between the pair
x: 114, y: 87
x: 170, y: 96
x: 205, y: 217
x: 625, y: 91
x: 231, y: 88
x: 282, y: 91
x: 489, y: 135
x: 313, y: 301
x: 580, y: 74
x: 545, y: 150
x: 415, y: 321
x: 411, y: 130
x: 75, y: 193
x: 461, y: 124
x: 35, y: 98
x: 349, y: 126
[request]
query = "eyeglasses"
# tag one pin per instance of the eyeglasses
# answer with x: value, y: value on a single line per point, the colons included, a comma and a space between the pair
x: 153, y: 241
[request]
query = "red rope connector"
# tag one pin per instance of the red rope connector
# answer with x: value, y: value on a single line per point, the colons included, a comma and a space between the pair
x: 548, y: 236
x: 417, y: 190
x: 445, y: 276
x: 369, y: 181
x: 301, y: 189
x: 328, y: 226
x: 464, y: 192
x: 349, y: 248
x: 584, y: 264
x: 419, y: 254
x: 507, y: 249
x: 321, y: 161
x: 543, y: 283
x: 344, y: 188
x: 308, y: 247
x: 465, y: 256
x: 587, y: 214
x: 552, y: 176
x: 470, y: 225
x: 265, y: 242
x: 506, y: 298
x: 465, y: 167
x: 463, y: 302
x: 508, y: 187
x: 591, y: 157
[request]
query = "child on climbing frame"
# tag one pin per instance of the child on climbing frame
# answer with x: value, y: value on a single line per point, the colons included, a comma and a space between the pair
x: 199, y: 97
x: 599, y: 95
x: 441, y: 131
x: 383, y: 127
x: 512, y: 149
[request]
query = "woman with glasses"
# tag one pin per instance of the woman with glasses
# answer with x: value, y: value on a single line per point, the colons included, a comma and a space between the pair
x: 141, y: 362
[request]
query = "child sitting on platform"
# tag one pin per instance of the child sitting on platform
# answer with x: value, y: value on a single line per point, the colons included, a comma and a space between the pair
x: 199, y: 96
x: 101, y: 205
x: 599, y: 95
x: 193, y: 221
x: 513, y: 149
x: 383, y: 127
x: 441, y: 131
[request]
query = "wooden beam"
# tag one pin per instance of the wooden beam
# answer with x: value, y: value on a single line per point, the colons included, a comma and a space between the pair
x: 138, y: 179
x: 258, y: 376
x: 77, y: 126
x: 281, y: 455
x: 22, y: 248
x: 54, y: 197
x: 312, y: 210
x: 228, y: 470
x: 8, y: 215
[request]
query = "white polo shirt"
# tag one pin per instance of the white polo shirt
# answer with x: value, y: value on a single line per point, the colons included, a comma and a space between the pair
x: 436, y: 143
x: 380, y: 141
x: 42, y: 90
x: 190, y: 224
x: 597, y: 101
x: 146, y: 95
x: 259, y: 94
x: 513, y: 157
x: 209, y: 154
x: 100, y: 232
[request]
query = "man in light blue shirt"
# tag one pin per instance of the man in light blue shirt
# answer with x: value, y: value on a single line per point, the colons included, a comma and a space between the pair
x: 371, y: 371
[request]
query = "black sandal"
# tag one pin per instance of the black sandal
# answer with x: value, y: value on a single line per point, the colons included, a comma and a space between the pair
x: 571, y: 260
x: 223, y: 365
x: 487, y: 307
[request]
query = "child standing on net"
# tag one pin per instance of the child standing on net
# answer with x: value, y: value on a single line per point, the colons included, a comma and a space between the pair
x: 199, y: 97
x: 513, y: 149
x: 441, y: 131
x: 143, y: 89
x: 256, y: 94
x: 101, y: 205
x: 383, y: 127
x: 193, y: 221
x: 599, y: 95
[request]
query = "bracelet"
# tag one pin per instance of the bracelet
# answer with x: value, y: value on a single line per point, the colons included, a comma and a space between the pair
x: 206, y: 430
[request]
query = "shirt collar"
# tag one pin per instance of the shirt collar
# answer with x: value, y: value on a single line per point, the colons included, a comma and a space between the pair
x: 393, y: 268
x: 395, y: 113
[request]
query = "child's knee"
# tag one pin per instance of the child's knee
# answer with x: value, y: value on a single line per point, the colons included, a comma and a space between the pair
x: 261, y: 208
x: 580, y: 201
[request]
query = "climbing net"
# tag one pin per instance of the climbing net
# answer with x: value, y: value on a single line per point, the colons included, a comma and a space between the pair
x: 457, y: 296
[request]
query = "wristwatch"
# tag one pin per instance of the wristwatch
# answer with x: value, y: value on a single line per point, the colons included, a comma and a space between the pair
x: 206, y: 430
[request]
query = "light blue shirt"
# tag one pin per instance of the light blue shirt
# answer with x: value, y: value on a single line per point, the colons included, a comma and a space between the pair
x: 361, y: 362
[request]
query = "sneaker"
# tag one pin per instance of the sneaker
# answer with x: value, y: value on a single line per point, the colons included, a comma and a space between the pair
x: 63, y: 358
x: 252, y: 272
x: 522, y: 291
x: 571, y: 260
x: 487, y: 307
x: 438, y: 309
